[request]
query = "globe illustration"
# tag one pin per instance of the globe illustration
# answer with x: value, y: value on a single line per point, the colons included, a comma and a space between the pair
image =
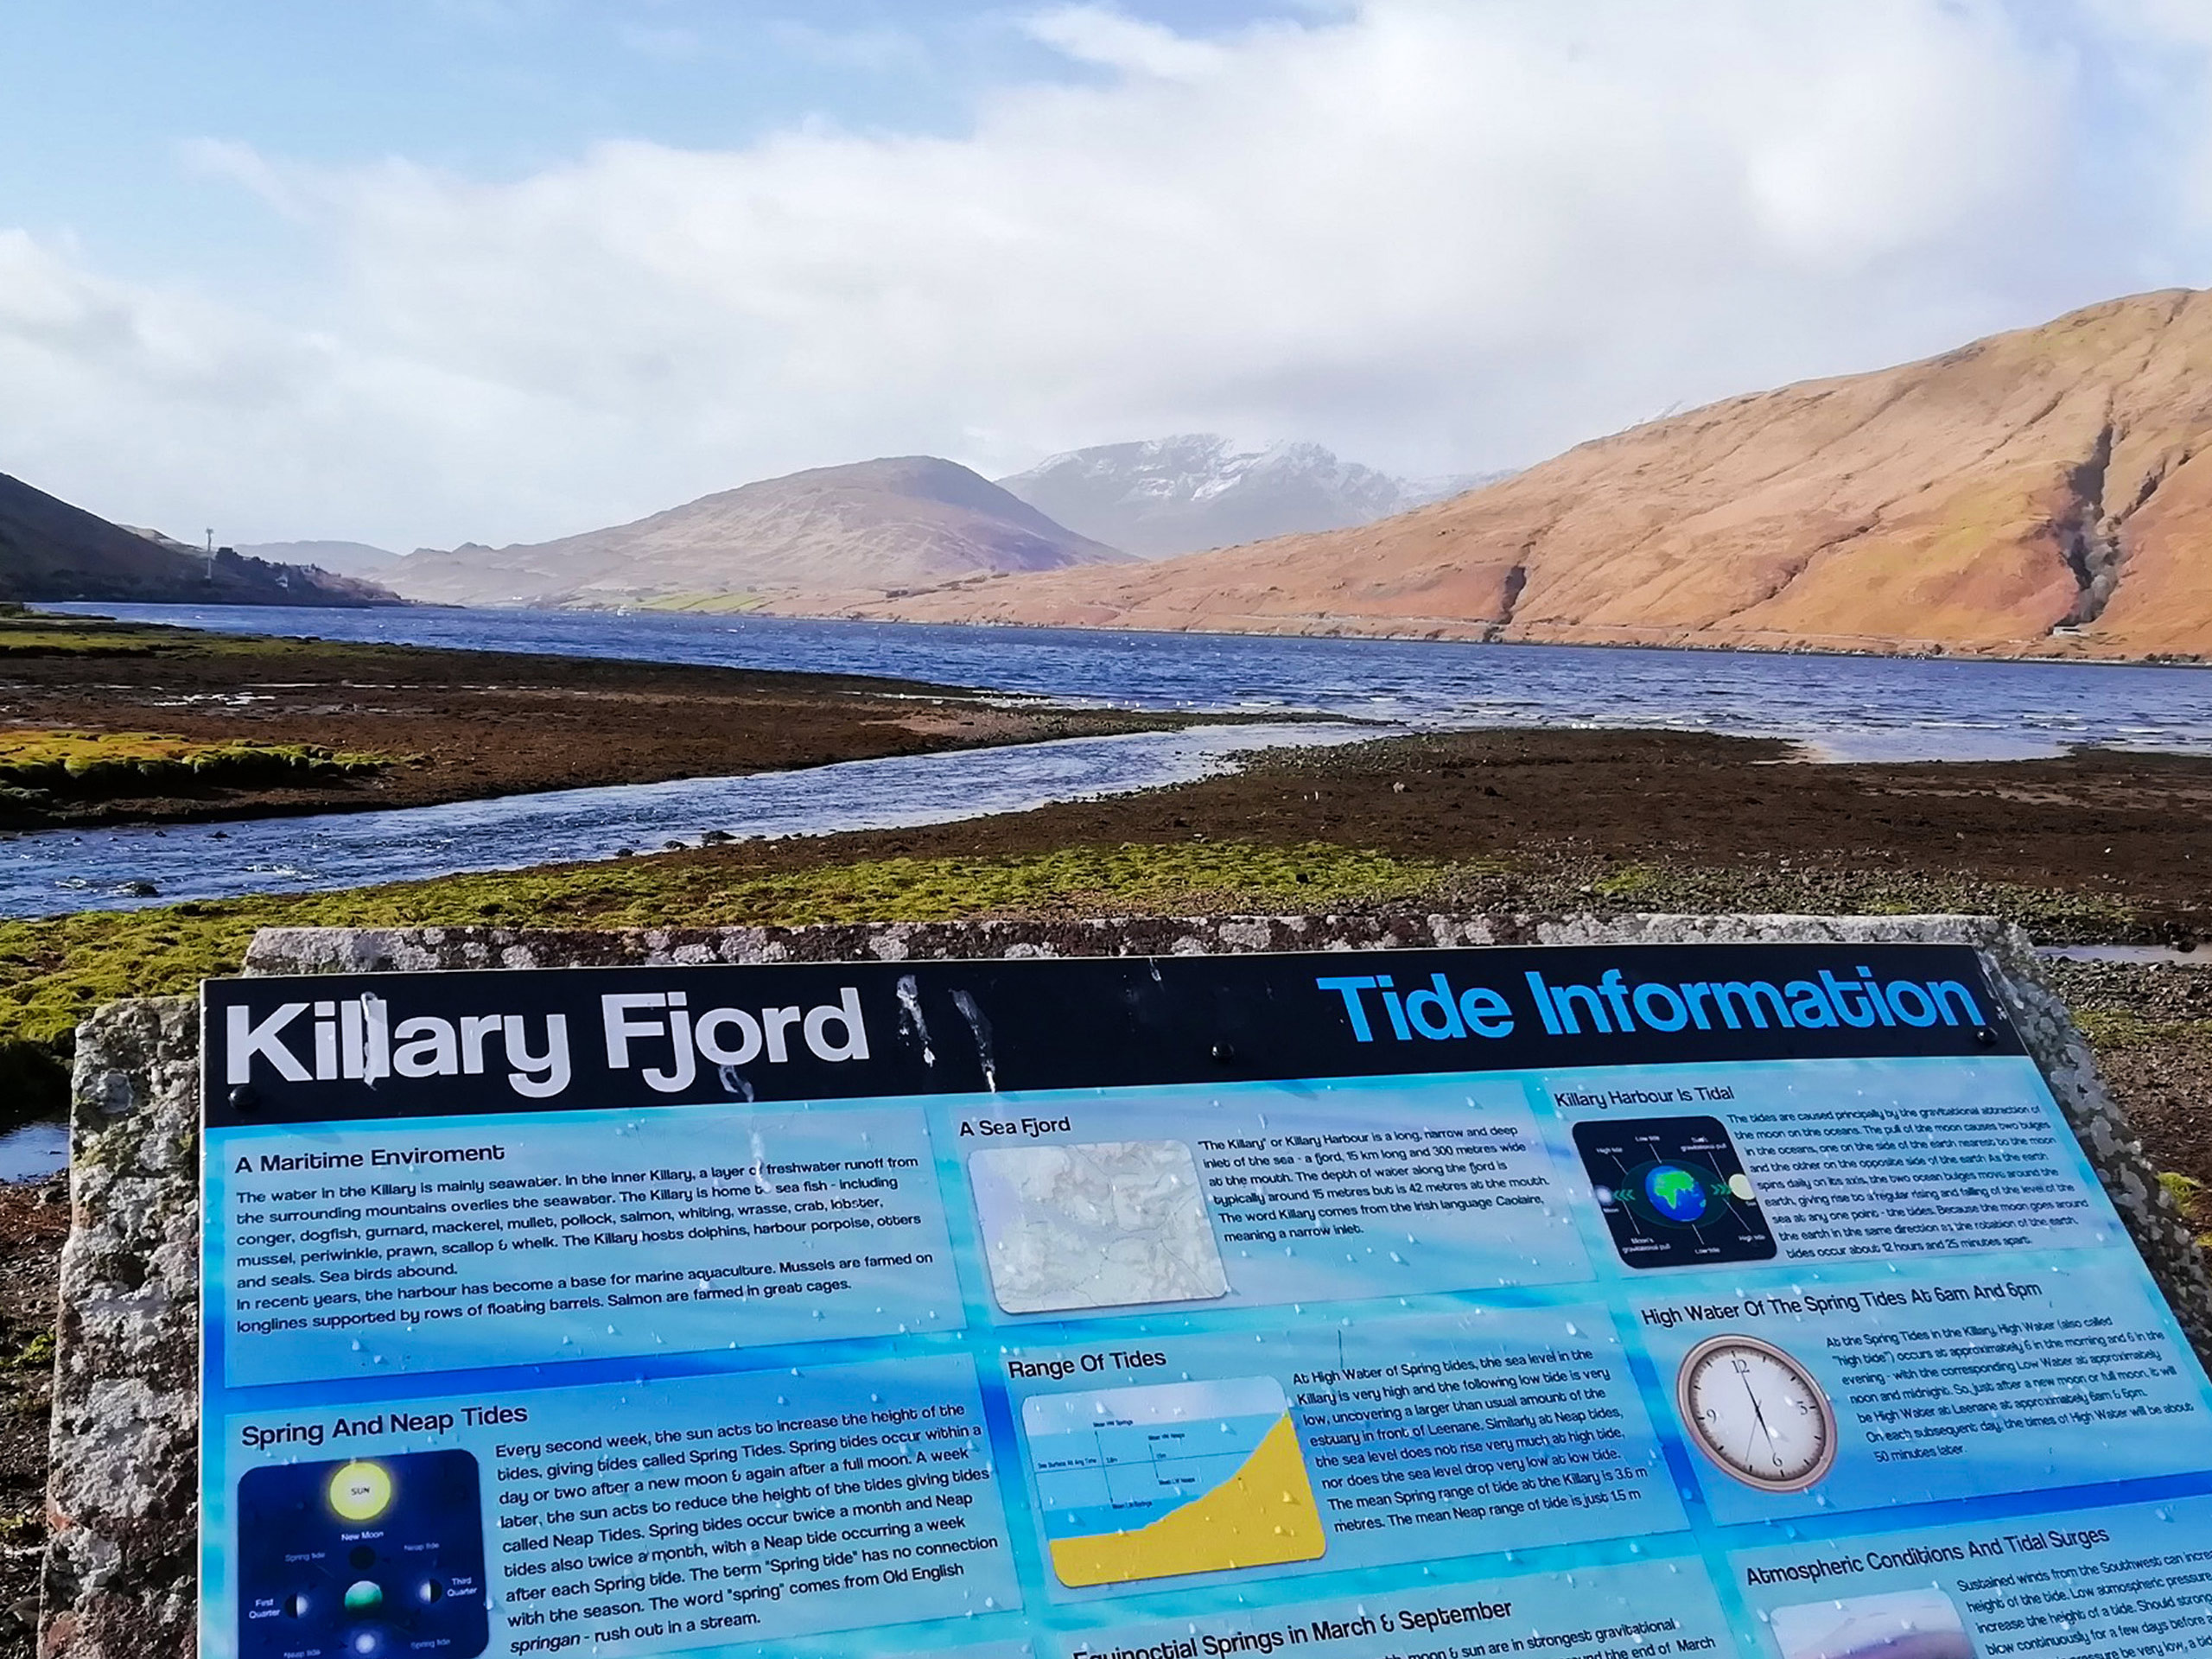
x: 1675, y: 1193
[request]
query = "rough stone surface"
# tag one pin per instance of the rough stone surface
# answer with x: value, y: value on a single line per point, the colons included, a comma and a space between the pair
x: 122, y: 1489
x: 119, y: 1570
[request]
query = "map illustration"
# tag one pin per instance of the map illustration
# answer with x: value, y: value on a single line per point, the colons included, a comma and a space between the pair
x: 1112, y: 1223
x: 1154, y: 1482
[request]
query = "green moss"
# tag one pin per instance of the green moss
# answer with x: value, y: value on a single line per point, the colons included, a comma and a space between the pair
x: 2114, y: 1030
x: 79, y: 764
x: 24, y: 634
x: 37, y: 1354
x: 55, y: 970
x: 2195, y: 1201
x: 1630, y: 882
x: 40, y: 634
x: 70, y: 642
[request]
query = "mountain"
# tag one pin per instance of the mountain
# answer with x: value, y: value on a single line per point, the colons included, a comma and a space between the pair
x: 50, y: 551
x: 348, y: 558
x: 161, y: 538
x: 1178, y: 495
x: 2047, y: 491
x: 874, y: 528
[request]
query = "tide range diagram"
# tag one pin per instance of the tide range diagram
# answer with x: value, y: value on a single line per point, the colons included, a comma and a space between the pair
x: 1173, y: 1478
x: 1673, y: 1192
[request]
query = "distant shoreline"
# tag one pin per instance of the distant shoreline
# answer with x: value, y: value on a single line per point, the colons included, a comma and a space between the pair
x: 1917, y: 651
x: 1920, y: 651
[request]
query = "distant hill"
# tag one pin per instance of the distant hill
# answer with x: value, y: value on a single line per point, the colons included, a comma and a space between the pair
x: 872, y: 528
x: 1166, y: 496
x: 161, y: 538
x: 348, y: 558
x: 2047, y: 491
x: 50, y: 551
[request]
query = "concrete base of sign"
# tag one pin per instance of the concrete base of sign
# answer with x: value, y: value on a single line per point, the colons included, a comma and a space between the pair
x: 119, y: 1579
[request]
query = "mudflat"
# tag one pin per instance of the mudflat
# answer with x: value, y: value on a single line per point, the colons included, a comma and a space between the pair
x: 416, y: 725
x: 2099, y: 844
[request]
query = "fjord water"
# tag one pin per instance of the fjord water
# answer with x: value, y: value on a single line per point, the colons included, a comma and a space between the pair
x: 1842, y: 708
x: 1847, y: 708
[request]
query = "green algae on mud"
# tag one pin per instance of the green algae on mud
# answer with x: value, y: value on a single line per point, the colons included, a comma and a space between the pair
x: 55, y: 970
x: 53, y: 633
x: 38, y: 763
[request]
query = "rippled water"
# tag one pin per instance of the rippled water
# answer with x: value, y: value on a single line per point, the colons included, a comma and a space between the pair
x: 61, y: 870
x: 1860, y: 708
x: 1848, y: 707
x: 33, y: 1151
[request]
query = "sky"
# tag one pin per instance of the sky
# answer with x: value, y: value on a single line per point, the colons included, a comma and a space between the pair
x: 416, y: 272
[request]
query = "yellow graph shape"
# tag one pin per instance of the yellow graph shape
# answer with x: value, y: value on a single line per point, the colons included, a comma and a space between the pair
x: 1261, y: 1515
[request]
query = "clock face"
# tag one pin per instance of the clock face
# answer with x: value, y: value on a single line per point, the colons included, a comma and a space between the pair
x: 1757, y: 1413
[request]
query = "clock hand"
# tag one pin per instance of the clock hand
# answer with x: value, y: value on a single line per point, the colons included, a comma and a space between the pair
x: 1752, y: 1395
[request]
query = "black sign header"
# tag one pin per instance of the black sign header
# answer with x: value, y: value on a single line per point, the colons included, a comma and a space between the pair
x: 396, y: 1045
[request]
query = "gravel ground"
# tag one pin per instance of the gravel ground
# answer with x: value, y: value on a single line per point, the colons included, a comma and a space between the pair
x: 2151, y: 1026
x: 34, y: 1218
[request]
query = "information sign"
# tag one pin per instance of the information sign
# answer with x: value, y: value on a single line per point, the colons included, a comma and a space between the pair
x: 1732, y: 1300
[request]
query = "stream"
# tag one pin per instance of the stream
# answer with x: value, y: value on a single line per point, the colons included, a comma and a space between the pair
x: 56, y: 870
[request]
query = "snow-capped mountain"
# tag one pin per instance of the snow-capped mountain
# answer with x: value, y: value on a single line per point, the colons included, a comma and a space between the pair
x: 1166, y: 496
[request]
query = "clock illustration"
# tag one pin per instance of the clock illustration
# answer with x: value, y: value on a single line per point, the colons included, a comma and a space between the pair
x: 1757, y: 1414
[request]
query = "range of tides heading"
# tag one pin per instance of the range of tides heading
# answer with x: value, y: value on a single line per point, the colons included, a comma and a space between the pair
x: 1614, y: 1006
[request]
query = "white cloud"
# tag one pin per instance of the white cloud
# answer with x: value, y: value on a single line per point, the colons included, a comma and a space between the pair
x: 1105, y: 38
x: 1434, y: 235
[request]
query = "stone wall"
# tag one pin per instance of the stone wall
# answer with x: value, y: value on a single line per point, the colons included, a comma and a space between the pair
x: 122, y: 1486
x: 119, y: 1568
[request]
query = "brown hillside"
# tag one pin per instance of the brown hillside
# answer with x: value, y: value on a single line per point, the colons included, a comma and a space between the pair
x: 51, y: 550
x: 2049, y: 479
x: 864, y: 530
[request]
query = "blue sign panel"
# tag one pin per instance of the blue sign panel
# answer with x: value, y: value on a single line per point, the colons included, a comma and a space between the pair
x: 1749, y: 1300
